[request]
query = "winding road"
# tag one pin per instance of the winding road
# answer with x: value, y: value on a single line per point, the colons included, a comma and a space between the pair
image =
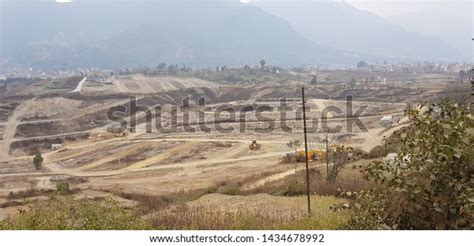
x: 79, y: 86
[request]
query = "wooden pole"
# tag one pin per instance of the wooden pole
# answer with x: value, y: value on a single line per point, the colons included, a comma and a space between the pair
x: 471, y: 74
x: 306, y: 151
x: 327, y: 156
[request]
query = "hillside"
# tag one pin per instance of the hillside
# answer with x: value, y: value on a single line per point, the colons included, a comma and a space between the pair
x: 101, y: 34
x: 344, y: 27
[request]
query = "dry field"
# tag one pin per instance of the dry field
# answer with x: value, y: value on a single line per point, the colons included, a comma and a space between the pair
x: 99, y: 162
x: 140, y: 84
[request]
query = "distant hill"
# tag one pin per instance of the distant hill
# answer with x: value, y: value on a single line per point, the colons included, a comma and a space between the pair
x: 342, y: 26
x: 453, y: 29
x: 109, y: 34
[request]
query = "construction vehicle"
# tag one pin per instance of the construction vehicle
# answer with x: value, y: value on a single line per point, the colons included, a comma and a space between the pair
x: 313, y: 155
x: 254, y: 145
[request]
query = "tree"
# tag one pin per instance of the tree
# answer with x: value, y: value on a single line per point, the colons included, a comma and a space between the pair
x: 336, y: 156
x: 173, y: 69
x: 38, y: 161
x: 262, y: 64
x: 362, y: 64
x: 162, y: 67
x: 294, y: 145
x: 430, y: 183
x: 339, y: 156
x: 325, y: 144
x: 353, y: 81
x: 462, y: 75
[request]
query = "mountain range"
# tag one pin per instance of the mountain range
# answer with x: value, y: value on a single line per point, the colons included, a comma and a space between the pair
x: 342, y: 26
x: 203, y: 33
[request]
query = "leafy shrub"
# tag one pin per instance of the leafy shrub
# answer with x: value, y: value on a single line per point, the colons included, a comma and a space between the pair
x: 430, y: 184
x: 231, y: 190
x: 211, y: 189
x: 294, y: 189
x: 62, y: 188
x: 382, y: 151
x: 68, y: 214
x: 38, y: 161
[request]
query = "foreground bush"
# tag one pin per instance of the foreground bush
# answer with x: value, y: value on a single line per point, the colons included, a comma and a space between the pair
x: 430, y: 184
x: 69, y: 214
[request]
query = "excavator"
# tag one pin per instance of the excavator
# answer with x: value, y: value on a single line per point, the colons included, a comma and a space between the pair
x: 254, y: 145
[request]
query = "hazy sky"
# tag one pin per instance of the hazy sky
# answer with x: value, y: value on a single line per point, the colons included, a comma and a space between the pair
x: 387, y: 8
x: 384, y: 8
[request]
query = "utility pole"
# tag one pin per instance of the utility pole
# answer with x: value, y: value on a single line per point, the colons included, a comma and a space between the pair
x: 471, y: 74
x: 306, y: 151
x: 327, y: 156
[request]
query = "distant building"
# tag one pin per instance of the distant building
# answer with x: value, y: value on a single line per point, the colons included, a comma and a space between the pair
x: 470, y: 75
x: 386, y: 121
x: 56, y: 146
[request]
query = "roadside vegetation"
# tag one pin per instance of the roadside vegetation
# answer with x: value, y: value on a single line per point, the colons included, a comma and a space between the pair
x: 66, y: 213
x: 430, y: 185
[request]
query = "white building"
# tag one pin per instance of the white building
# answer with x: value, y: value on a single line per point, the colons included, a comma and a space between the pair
x: 386, y: 121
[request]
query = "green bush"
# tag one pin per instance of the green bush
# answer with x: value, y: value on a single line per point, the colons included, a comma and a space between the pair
x: 211, y: 190
x: 380, y: 151
x: 231, y: 190
x: 62, y: 188
x: 294, y: 189
x: 65, y: 213
x: 430, y: 184
x: 38, y: 161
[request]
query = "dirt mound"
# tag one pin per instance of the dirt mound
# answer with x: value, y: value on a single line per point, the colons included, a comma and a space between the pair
x: 141, y: 84
x: 47, y: 108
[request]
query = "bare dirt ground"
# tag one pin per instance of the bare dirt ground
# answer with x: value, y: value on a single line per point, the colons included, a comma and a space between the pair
x: 140, y: 84
x: 10, y: 130
x: 162, y: 163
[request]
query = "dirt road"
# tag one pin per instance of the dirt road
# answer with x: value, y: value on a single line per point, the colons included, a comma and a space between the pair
x: 10, y: 130
x: 79, y: 86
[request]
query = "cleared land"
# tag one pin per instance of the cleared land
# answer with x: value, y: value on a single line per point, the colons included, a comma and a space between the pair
x: 161, y: 163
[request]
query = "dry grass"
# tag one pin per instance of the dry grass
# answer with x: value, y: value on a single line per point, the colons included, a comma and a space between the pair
x: 259, y: 212
x: 221, y: 206
x: 148, y: 204
x: 234, y: 186
x: 350, y: 179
